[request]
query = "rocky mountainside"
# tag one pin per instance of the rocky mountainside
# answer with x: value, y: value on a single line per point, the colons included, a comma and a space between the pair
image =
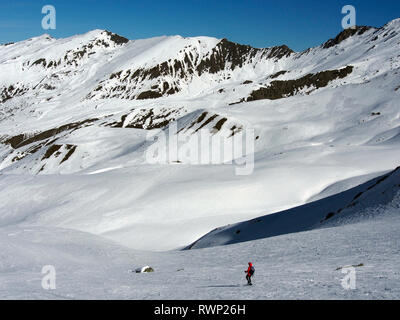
x: 76, y: 115
x: 50, y: 88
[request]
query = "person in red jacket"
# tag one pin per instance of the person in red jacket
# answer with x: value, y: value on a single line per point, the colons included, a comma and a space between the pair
x: 249, y: 273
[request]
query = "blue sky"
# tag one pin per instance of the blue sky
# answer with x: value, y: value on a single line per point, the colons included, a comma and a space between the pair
x: 260, y: 23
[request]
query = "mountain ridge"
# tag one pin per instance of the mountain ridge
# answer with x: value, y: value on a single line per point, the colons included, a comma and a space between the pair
x: 78, y: 117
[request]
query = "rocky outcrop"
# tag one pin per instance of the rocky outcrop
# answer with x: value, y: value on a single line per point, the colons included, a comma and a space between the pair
x: 232, y: 55
x: 7, y: 93
x: 168, y: 77
x: 279, y: 89
x: 345, y: 35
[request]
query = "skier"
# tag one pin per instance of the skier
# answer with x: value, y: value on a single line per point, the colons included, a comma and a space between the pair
x: 249, y: 273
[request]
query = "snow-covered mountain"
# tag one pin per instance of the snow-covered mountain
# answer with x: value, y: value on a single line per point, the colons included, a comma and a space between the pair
x: 76, y: 114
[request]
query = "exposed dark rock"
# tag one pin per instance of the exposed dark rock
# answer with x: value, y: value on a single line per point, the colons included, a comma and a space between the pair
x: 220, y: 123
x: 116, y: 75
x: 21, y: 140
x: 237, y: 55
x: 51, y: 150
x: 29, y: 151
x: 148, y: 120
x: 202, y: 117
x: 71, y: 149
x: 278, y: 52
x: 117, y: 38
x: 7, y: 93
x: 329, y: 215
x: 146, y: 269
x: 48, y: 86
x: 276, y: 75
x: 149, y: 95
x: 281, y: 89
x: 40, y: 61
x: 209, y: 120
x: 345, y: 35
x: 235, y: 130
x: 198, y: 120
x: 237, y: 102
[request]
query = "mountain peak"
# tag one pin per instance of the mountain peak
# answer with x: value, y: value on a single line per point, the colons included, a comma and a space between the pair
x: 345, y: 34
x: 116, y: 38
x: 393, y: 25
x: 394, y: 22
x: 104, y: 35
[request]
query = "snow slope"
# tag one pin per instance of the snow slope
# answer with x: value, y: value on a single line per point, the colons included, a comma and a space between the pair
x: 294, y: 266
x: 77, y: 112
x: 337, y: 209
